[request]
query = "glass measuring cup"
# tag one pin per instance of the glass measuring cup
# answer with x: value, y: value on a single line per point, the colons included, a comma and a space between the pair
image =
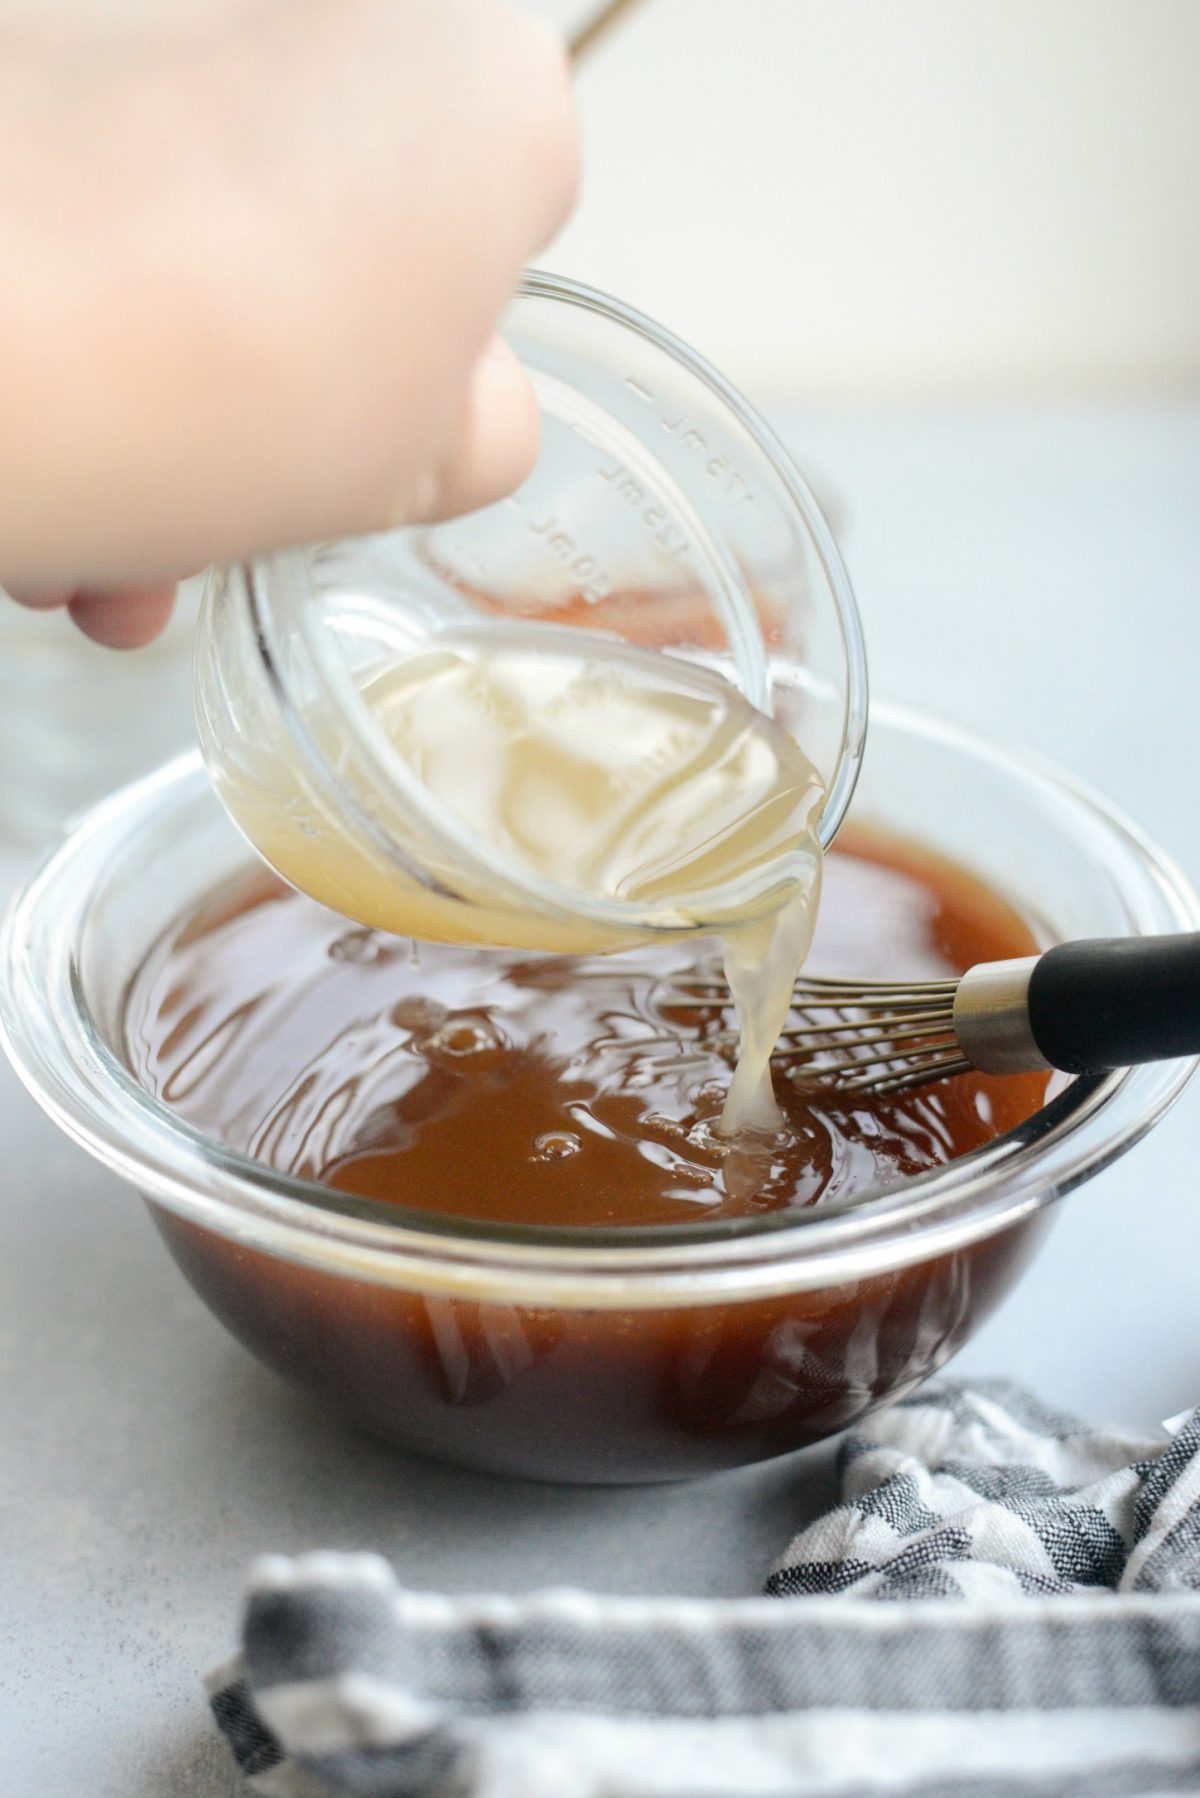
x: 661, y: 512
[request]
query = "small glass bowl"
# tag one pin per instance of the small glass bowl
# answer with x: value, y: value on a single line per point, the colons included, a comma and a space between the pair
x: 586, y: 1354
x: 661, y: 511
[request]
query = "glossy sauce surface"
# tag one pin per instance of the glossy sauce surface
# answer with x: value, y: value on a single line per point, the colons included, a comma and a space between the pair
x: 547, y: 1089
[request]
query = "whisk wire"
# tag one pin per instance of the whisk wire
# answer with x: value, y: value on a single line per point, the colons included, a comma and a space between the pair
x: 868, y: 1030
x: 923, y: 1075
x: 883, y: 1058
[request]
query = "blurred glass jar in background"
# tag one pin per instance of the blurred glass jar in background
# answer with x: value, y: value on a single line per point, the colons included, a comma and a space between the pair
x: 77, y: 720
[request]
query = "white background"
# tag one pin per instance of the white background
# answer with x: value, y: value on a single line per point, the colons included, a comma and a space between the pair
x: 839, y: 199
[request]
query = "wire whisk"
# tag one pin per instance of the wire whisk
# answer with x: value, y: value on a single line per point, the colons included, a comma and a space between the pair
x: 1082, y: 1007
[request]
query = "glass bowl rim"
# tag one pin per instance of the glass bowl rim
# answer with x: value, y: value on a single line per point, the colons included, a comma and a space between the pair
x: 61, y: 1056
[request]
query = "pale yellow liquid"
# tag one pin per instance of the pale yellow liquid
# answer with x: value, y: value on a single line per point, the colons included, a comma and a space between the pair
x: 617, y: 794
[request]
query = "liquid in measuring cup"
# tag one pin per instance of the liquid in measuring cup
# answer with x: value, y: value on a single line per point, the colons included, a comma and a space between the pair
x: 630, y: 793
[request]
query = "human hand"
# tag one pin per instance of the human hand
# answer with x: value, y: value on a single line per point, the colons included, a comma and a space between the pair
x: 263, y: 247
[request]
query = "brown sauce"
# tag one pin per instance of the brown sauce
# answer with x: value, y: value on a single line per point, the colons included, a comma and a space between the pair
x: 447, y: 1079
x: 546, y: 1089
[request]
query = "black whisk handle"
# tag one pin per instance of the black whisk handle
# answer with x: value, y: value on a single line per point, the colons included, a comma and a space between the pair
x: 1112, y: 1002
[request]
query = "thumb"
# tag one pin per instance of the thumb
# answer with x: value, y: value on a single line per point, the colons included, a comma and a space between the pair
x: 497, y: 445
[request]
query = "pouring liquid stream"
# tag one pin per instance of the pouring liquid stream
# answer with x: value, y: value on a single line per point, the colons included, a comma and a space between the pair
x: 622, y: 796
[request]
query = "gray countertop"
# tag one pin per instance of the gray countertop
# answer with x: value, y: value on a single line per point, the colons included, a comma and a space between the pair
x: 1035, y: 574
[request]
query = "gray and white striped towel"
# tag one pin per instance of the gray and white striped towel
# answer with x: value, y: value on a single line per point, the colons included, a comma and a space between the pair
x: 1048, y: 1644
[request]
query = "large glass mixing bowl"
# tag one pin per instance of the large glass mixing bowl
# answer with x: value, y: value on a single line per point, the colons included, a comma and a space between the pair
x: 584, y: 1354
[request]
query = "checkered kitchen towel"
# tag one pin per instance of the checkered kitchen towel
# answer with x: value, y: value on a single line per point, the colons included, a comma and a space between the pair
x: 1046, y: 1642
